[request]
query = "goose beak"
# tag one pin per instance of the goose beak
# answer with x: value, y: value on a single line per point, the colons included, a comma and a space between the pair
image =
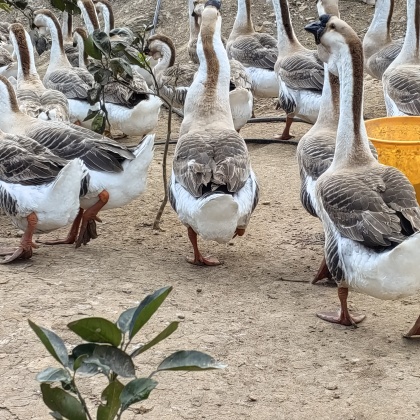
x: 146, y: 50
x: 318, y: 28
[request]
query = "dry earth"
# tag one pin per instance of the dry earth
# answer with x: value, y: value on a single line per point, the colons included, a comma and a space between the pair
x: 256, y: 312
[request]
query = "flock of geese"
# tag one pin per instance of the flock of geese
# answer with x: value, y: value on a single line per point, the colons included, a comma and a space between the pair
x: 55, y: 171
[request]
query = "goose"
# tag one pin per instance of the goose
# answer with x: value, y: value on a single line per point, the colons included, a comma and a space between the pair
x: 8, y: 66
x: 378, y: 47
x: 194, y: 25
x: 34, y: 99
x: 38, y: 190
x: 401, y: 80
x: 133, y: 110
x: 256, y: 51
x: 117, y: 175
x: 212, y: 188
x: 104, y: 10
x: 79, y: 38
x: 71, y: 51
x: 299, y: 70
x: 368, y: 210
x: 90, y: 17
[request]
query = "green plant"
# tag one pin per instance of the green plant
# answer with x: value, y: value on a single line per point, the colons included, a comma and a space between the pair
x: 106, y: 352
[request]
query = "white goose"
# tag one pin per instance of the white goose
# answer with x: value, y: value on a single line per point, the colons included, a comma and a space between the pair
x: 299, y: 70
x: 34, y: 99
x: 194, y: 24
x: 116, y: 175
x: 369, y: 211
x: 378, y: 47
x: 38, y: 190
x: 256, y: 51
x: 213, y: 188
x: 401, y: 80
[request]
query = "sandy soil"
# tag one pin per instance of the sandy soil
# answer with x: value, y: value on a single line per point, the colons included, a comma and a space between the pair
x: 256, y: 312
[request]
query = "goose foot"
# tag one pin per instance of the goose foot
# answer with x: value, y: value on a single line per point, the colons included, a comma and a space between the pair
x: 415, y: 329
x: 72, y: 235
x: 88, y: 225
x: 24, y: 251
x: 343, y: 316
x: 323, y: 273
x: 239, y: 232
x: 198, y: 258
x: 286, y: 132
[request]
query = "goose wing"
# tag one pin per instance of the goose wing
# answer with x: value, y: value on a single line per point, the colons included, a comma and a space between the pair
x: 376, y: 207
x: 70, y: 142
x: 380, y: 61
x: 19, y: 165
x: 74, y: 82
x: 179, y: 75
x: 205, y: 160
x: 403, y: 87
x: 302, y: 71
x: 238, y: 75
x: 257, y: 50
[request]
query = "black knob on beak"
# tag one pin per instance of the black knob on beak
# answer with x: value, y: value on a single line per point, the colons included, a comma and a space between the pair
x: 215, y: 3
x: 318, y: 28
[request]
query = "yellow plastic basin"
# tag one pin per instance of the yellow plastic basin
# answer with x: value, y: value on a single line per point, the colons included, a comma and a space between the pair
x: 397, y: 140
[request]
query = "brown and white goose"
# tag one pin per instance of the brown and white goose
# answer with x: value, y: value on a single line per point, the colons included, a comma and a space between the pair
x: 256, y: 51
x: 117, y: 175
x: 213, y: 188
x: 34, y: 99
x: 401, y: 79
x: 89, y: 15
x: 71, y: 51
x: 194, y: 25
x: 38, y: 190
x: 378, y: 47
x: 369, y: 211
x: 299, y: 70
x: 104, y: 10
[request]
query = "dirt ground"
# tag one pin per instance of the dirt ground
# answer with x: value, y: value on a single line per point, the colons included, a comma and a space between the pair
x: 256, y: 312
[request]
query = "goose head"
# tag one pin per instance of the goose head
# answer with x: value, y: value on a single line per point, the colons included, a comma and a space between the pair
x: 334, y: 36
x: 198, y: 11
x: 159, y: 46
x: 43, y: 18
x: 211, y: 18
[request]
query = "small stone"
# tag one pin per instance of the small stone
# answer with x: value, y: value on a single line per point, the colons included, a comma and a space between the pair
x: 331, y: 386
x: 251, y: 398
x: 354, y: 361
x: 266, y: 203
x: 336, y: 395
x: 180, y: 316
x: 199, y: 289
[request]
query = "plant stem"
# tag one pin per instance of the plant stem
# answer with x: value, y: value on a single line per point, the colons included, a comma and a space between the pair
x: 81, y: 399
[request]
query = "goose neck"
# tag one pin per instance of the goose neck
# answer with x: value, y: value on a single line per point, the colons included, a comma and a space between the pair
x: 243, y: 23
x: 379, y: 30
x: 89, y: 15
x: 58, y: 56
x: 108, y: 17
x: 167, y: 59
x: 83, y: 57
x: 10, y: 109
x: 286, y: 37
x: 193, y: 22
x: 410, y: 52
x: 67, y: 27
x: 352, y: 146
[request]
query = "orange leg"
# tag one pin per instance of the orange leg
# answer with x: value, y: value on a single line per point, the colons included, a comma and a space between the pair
x: 88, y: 226
x: 71, y: 237
x: 198, y: 258
x: 286, y: 132
x: 343, y: 316
x: 24, y: 251
x: 415, y: 329
x: 323, y: 273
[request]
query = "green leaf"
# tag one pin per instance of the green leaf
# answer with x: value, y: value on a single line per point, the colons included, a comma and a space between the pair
x: 125, y: 318
x: 86, y: 369
x: 190, y: 360
x: 120, y: 67
x: 134, y: 59
x: 62, y: 402
x: 135, y: 391
x: 93, y: 95
x: 171, y: 328
x: 111, y: 396
x: 148, y: 306
x: 79, y: 361
x: 97, y: 330
x: 115, y: 359
x: 91, y: 49
x: 5, y: 7
x: 51, y: 375
x: 91, y: 114
x: 20, y: 4
x: 101, y: 40
x: 98, y: 123
x: 52, y: 342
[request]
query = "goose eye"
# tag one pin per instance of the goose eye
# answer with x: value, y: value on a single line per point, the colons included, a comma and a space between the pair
x: 332, y: 26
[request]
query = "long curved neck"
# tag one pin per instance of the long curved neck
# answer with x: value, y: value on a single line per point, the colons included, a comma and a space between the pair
x: 89, y: 15
x: 26, y: 61
x: 328, y: 7
x: 58, y: 57
x: 83, y: 57
x: 378, y: 35
x: 193, y: 21
x: 352, y: 146
x: 329, y: 110
x: 410, y: 52
x: 67, y: 27
x: 167, y: 60
x: 108, y: 17
x: 10, y: 108
x: 208, y: 97
x: 243, y: 23
x: 286, y: 38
